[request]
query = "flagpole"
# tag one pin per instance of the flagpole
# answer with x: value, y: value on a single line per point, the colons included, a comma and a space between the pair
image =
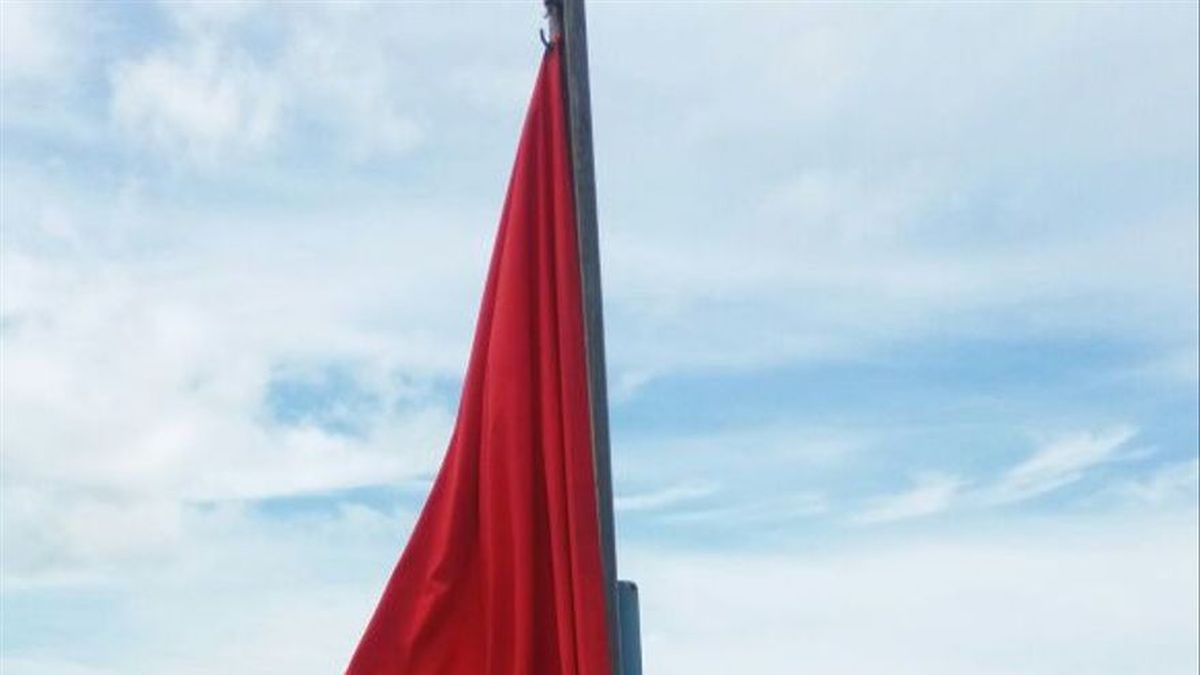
x: 567, y: 20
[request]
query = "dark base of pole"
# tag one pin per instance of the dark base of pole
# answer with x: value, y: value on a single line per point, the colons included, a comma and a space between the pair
x: 631, y: 628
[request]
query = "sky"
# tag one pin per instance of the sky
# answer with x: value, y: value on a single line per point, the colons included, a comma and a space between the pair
x: 901, y: 304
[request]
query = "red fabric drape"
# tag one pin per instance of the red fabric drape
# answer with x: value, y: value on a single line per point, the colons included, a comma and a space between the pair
x: 502, y: 575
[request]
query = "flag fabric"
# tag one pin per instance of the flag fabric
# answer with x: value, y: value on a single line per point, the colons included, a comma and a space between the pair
x: 502, y: 574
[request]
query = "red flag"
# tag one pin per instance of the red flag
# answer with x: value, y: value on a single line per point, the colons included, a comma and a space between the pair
x: 502, y: 574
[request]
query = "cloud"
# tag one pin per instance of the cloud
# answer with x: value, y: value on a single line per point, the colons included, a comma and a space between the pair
x: 38, y: 42
x: 232, y: 572
x: 284, y: 84
x: 1020, y: 598
x: 755, y: 511
x: 353, y: 87
x: 1020, y: 595
x: 1173, y: 483
x: 1060, y: 462
x: 201, y: 104
x: 856, y: 231
x: 664, y: 497
x: 132, y: 389
x: 60, y: 536
x: 215, y: 95
x: 169, y: 394
x: 932, y: 493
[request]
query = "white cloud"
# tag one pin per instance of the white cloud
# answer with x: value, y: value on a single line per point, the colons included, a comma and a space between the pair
x: 932, y: 493
x: 354, y: 85
x: 664, y: 497
x: 1022, y: 598
x: 201, y: 104
x: 131, y: 388
x: 1173, y: 483
x: 854, y: 229
x: 58, y: 536
x: 234, y: 594
x: 38, y: 41
x: 167, y: 392
x: 1060, y: 462
x: 756, y: 511
x: 856, y: 249
x: 212, y: 96
x: 202, y: 17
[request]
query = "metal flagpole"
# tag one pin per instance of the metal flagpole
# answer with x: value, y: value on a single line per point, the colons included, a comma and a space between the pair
x: 567, y: 20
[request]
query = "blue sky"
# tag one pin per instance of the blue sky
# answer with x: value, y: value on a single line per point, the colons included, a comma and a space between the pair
x: 901, y: 310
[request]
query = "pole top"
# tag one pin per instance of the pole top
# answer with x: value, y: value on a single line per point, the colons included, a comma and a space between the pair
x: 554, y: 9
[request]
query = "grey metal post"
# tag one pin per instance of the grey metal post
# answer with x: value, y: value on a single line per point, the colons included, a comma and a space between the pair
x: 568, y: 17
x: 631, y: 628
